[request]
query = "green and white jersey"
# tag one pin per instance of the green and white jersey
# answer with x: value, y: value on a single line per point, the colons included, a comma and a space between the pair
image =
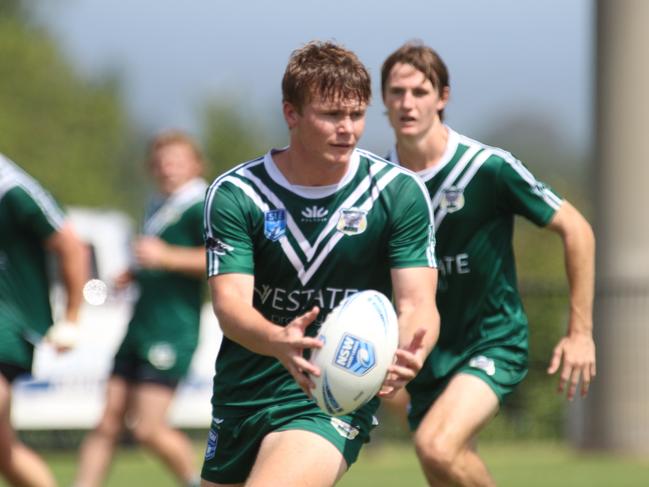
x: 28, y: 216
x: 308, y: 246
x: 475, y: 191
x: 167, y: 312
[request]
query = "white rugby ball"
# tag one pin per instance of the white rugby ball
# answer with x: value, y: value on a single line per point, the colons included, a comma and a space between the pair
x: 360, y: 338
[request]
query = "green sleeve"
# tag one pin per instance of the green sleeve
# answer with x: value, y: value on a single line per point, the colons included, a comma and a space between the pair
x: 228, y: 232
x: 412, y: 239
x: 524, y: 195
x: 36, y: 212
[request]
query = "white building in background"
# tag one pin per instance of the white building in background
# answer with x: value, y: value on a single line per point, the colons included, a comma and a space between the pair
x: 67, y: 390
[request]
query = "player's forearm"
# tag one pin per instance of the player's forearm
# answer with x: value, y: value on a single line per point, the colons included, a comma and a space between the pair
x: 421, y: 316
x: 243, y: 324
x: 73, y: 260
x: 187, y: 260
x: 579, y: 248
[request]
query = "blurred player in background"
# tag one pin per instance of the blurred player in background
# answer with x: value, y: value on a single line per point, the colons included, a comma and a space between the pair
x: 482, y: 352
x: 288, y: 236
x: 31, y: 224
x: 162, y: 335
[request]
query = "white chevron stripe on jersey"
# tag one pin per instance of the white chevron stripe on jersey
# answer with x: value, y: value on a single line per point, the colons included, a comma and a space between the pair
x: 454, y: 174
x: 306, y: 247
x: 13, y: 176
x: 551, y: 199
x: 464, y: 181
x: 366, y: 205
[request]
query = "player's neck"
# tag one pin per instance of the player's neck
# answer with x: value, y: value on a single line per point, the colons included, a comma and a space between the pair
x: 423, y: 152
x: 303, y: 168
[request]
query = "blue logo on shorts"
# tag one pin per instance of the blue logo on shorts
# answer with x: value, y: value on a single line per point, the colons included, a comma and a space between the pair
x: 355, y: 355
x: 274, y: 224
x: 212, y: 440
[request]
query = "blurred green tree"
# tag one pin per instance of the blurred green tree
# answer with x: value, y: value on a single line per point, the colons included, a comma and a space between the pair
x: 68, y: 132
x: 229, y: 136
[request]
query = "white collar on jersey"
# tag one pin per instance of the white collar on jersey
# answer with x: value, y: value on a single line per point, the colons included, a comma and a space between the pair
x: 450, y: 150
x: 310, y: 192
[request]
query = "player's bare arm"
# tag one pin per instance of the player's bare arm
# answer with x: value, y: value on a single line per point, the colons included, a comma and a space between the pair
x: 73, y: 259
x: 414, y: 297
x: 577, y: 349
x: 72, y: 255
x: 232, y: 297
x: 155, y: 253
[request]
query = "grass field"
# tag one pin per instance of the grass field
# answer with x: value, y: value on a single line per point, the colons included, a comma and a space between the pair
x: 394, y: 465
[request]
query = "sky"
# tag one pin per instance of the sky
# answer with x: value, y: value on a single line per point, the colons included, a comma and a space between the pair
x: 506, y: 58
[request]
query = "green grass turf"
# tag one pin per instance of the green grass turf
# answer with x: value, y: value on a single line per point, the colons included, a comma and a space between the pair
x: 394, y: 465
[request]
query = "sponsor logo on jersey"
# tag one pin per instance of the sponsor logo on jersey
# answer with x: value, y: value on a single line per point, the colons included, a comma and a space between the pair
x: 162, y: 356
x: 344, y: 429
x: 486, y: 364
x: 212, y: 441
x: 294, y: 300
x: 452, y: 199
x: 355, y: 355
x: 314, y: 213
x: 275, y: 224
x: 352, y: 221
x: 218, y: 246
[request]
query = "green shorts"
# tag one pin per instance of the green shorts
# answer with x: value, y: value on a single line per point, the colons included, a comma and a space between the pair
x: 169, y: 361
x: 233, y: 442
x: 15, y: 348
x: 501, y: 368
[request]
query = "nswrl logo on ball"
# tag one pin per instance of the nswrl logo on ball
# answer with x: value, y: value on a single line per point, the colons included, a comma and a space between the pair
x: 355, y: 355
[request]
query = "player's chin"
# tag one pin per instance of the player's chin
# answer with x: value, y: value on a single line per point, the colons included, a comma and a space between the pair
x: 340, y: 153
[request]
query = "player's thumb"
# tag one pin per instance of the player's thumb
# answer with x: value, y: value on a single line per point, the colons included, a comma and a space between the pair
x: 555, y: 361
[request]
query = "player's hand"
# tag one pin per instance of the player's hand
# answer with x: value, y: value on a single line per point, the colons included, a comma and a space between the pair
x: 122, y: 280
x: 150, y: 252
x: 290, y: 343
x: 63, y: 335
x: 408, y: 362
x: 577, y: 351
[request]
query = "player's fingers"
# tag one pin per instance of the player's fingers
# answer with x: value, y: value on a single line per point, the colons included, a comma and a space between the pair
x: 593, y: 369
x: 565, y: 376
x: 402, y: 373
x: 307, y: 318
x: 309, y: 342
x: 555, y: 361
x: 408, y: 359
x: 574, y: 382
x: 305, y: 366
x: 417, y: 341
x: 387, y: 391
x: 585, y: 380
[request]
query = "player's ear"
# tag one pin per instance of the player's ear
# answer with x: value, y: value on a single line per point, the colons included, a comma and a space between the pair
x: 444, y: 96
x: 291, y: 114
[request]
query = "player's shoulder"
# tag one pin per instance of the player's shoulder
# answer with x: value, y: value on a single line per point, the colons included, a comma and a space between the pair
x: 15, y: 182
x: 237, y: 184
x: 398, y: 180
x: 379, y: 167
x: 493, y: 155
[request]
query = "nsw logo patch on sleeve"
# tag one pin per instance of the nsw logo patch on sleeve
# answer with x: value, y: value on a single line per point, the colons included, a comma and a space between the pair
x: 212, y: 440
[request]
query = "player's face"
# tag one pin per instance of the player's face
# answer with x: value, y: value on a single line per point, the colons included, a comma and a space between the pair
x: 327, y: 130
x: 173, y: 166
x: 412, y: 101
